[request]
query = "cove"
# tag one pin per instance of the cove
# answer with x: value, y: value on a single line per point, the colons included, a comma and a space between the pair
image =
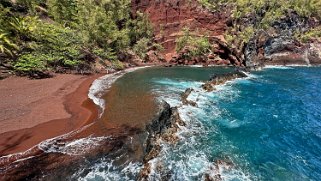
x: 265, y: 127
x: 262, y: 127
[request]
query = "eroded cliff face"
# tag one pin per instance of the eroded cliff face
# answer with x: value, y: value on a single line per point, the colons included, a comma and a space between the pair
x: 169, y: 17
x: 279, y: 46
x: 276, y: 46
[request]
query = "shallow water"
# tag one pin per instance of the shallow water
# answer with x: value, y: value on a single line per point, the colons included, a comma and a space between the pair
x: 265, y: 127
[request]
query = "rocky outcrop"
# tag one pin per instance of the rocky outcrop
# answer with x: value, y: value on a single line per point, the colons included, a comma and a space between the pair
x: 276, y: 45
x: 162, y: 128
x: 282, y: 50
x: 279, y: 46
x: 215, y: 170
x: 219, y: 79
x: 185, y: 95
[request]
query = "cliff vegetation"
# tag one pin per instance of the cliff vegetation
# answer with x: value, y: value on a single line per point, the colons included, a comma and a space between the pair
x: 41, y: 36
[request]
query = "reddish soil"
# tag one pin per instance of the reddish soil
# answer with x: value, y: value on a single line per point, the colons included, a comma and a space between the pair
x: 169, y: 17
x: 34, y: 110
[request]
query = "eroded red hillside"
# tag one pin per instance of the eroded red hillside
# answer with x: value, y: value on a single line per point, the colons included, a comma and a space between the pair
x: 169, y: 17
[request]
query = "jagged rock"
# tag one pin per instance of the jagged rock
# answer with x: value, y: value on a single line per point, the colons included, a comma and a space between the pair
x: 163, y: 127
x: 208, y: 177
x: 131, y: 58
x: 278, y: 46
x: 219, y: 79
x: 153, y: 56
x: 185, y: 95
x: 214, y: 170
x: 208, y: 87
x: 153, y: 152
x: 144, y: 173
x: 314, y: 55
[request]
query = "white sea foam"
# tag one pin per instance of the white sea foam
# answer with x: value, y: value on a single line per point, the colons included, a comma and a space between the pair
x: 186, y: 160
x: 227, y: 172
x: 44, y: 145
x: 100, y: 85
x: 195, y: 66
x: 106, y: 170
x: 278, y: 67
x: 75, y: 147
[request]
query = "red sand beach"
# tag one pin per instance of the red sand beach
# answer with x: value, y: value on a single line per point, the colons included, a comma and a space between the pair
x: 34, y: 110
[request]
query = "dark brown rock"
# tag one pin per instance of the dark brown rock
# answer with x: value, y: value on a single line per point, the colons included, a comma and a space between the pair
x: 208, y: 87
x: 185, y: 95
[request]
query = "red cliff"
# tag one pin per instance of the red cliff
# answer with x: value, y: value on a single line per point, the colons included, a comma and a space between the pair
x: 169, y: 17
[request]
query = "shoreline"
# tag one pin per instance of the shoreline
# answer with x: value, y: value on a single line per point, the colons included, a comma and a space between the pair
x: 120, y: 137
x: 103, y: 83
x: 69, y: 103
x: 81, y: 105
x: 82, y: 111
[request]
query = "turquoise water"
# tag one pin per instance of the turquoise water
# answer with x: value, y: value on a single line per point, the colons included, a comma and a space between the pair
x: 268, y: 126
x: 265, y: 127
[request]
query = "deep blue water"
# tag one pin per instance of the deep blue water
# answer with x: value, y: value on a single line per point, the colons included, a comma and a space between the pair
x: 265, y: 127
x: 268, y: 126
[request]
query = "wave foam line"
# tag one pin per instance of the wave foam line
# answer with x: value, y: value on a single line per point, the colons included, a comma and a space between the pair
x: 100, y: 85
x: 193, y: 163
x: 25, y: 155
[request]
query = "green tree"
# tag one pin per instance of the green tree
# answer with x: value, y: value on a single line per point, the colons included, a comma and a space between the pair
x: 63, y: 11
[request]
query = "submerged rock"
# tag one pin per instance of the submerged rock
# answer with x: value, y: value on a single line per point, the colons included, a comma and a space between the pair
x: 215, y: 170
x: 144, y: 173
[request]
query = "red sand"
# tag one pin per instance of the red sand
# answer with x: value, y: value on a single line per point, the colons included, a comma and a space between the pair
x: 34, y: 110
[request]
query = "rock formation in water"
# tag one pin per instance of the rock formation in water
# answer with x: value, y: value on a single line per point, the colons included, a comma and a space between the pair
x: 161, y: 129
x: 220, y: 79
x: 185, y: 95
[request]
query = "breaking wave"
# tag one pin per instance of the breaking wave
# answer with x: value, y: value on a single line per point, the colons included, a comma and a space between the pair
x: 102, y: 84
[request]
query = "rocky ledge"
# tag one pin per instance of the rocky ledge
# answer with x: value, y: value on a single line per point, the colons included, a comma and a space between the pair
x: 219, y: 79
x: 161, y: 129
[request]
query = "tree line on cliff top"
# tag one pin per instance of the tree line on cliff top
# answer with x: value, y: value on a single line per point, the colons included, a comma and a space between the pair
x: 41, y: 35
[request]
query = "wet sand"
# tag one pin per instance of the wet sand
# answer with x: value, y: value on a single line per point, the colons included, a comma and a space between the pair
x: 120, y: 132
x: 34, y: 110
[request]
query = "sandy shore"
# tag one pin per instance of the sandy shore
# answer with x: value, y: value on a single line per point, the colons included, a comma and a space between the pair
x: 34, y: 110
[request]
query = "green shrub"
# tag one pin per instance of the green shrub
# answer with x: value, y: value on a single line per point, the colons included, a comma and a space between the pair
x: 141, y: 47
x: 196, y: 45
x: 30, y: 62
x: 273, y: 9
x: 105, y: 54
x: 312, y: 34
x: 50, y: 34
x: 158, y: 47
x: 117, y: 65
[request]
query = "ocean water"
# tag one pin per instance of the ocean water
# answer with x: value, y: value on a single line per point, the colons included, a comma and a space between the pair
x: 264, y: 127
